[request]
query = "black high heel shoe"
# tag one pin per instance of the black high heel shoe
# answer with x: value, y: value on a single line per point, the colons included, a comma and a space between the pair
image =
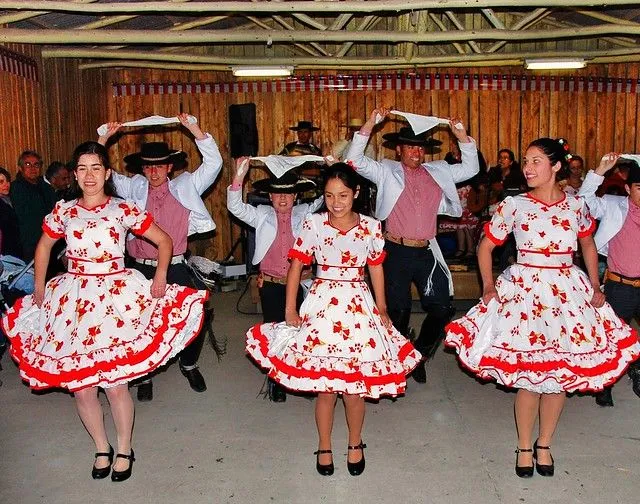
x: 123, y: 475
x: 324, y: 469
x: 523, y: 471
x: 543, y: 470
x: 103, y: 472
x: 356, y: 468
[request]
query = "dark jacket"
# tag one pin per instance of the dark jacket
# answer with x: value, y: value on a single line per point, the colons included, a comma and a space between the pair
x: 31, y: 203
x: 10, y: 232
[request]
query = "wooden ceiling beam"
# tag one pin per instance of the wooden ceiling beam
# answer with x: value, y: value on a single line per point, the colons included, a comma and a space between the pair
x: 55, y: 36
x: 525, y: 22
x: 352, y: 6
x: 452, y: 17
x: 265, y: 26
x: 366, y: 23
x: 23, y: 16
x: 607, y: 18
x: 455, y: 60
x: 444, y: 28
x: 341, y: 21
x: 145, y: 56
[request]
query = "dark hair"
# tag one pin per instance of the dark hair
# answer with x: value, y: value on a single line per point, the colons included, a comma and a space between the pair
x: 53, y: 169
x: 575, y: 157
x: 100, y: 151
x: 345, y: 173
x: 6, y: 174
x: 512, y: 156
x: 557, y: 150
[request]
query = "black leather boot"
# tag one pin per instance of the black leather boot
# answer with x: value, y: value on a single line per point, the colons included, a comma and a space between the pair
x: 634, y: 374
x: 428, y: 341
x: 604, y: 398
x: 276, y: 392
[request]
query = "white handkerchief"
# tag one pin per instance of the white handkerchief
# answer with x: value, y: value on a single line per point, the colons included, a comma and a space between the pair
x: 633, y: 157
x: 279, y: 165
x: 420, y: 123
x: 148, y: 121
x: 283, y: 336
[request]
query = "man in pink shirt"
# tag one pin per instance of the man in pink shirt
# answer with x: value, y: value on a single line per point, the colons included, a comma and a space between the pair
x: 618, y: 238
x: 410, y: 195
x: 176, y: 206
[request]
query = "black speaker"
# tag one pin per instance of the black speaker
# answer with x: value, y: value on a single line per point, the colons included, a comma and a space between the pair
x: 243, y: 132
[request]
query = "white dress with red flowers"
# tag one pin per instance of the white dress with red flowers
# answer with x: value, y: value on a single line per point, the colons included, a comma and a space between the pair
x: 544, y: 335
x: 98, y: 324
x: 342, y: 345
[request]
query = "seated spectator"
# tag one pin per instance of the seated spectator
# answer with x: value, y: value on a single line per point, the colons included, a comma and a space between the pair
x: 58, y: 177
x: 32, y: 199
x: 506, y: 178
x: 466, y: 225
x: 8, y: 219
x: 572, y: 184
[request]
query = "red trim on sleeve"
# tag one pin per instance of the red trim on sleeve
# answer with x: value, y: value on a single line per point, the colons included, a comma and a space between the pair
x: 300, y: 256
x: 590, y: 230
x: 491, y: 236
x: 146, y: 224
x: 378, y: 260
x: 50, y: 232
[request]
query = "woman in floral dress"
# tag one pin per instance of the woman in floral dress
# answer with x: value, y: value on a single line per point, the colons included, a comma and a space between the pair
x: 543, y: 327
x: 100, y: 325
x: 342, y: 342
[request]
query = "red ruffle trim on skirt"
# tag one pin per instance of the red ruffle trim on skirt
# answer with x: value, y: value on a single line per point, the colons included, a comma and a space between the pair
x: 489, y: 367
x: 132, y: 358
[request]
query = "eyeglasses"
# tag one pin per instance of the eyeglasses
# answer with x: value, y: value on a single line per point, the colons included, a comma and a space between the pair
x: 29, y: 164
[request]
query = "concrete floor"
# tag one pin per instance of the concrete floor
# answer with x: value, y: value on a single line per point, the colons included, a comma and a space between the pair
x: 449, y: 441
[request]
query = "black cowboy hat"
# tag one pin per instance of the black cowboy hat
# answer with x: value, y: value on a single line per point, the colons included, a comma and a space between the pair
x: 406, y: 136
x: 302, y: 125
x: 155, y: 153
x: 289, y: 183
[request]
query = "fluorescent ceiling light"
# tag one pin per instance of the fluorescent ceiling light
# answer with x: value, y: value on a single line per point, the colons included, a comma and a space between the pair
x: 262, y: 71
x: 554, y: 63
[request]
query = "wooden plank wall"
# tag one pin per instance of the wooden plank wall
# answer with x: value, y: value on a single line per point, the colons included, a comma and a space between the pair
x: 65, y: 106
x: 52, y: 114
x: 593, y: 123
x: 20, y: 111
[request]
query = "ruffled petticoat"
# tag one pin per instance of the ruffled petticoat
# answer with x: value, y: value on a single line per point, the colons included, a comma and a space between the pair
x: 544, y: 335
x: 342, y: 345
x: 100, y: 329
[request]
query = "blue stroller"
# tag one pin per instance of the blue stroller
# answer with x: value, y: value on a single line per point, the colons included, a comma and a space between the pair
x: 16, y: 280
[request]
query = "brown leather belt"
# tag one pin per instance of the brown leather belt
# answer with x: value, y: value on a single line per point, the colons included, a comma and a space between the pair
x: 263, y: 277
x: 614, y: 277
x: 268, y: 278
x: 408, y: 242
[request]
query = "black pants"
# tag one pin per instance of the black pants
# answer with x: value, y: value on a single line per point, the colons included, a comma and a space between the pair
x: 404, y: 266
x: 273, y: 301
x: 179, y: 274
x: 625, y: 301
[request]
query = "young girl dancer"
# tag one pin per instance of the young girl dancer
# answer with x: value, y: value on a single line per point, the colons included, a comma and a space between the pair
x: 342, y: 342
x: 100, y: 325
x: 543, y: 327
